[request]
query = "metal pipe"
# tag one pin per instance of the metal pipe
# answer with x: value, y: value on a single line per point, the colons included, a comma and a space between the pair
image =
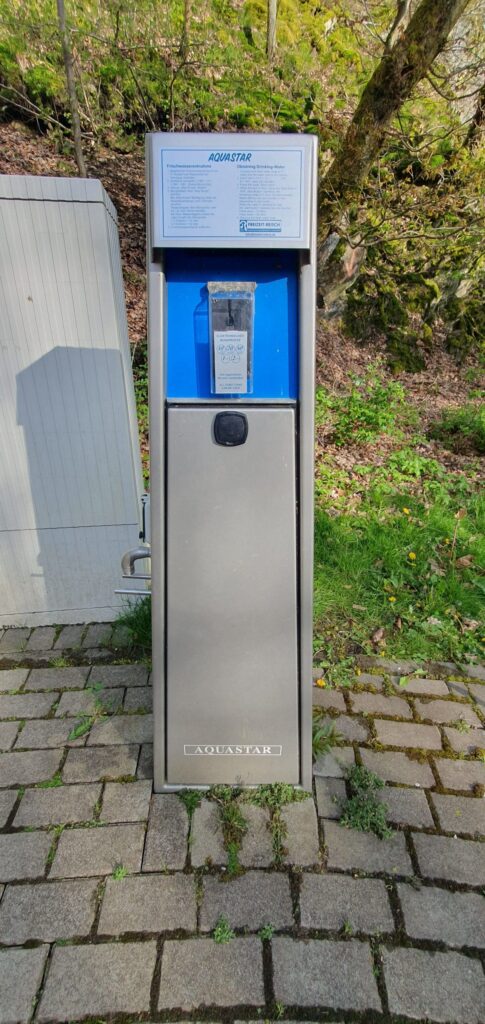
x: 130, y: 557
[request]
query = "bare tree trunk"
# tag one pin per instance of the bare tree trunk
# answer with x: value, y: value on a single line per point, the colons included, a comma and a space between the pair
x: 392, y: 83
x: 271, y: 29
x: 399, y: 24
x: 184, y: 39
x: 71, y: 89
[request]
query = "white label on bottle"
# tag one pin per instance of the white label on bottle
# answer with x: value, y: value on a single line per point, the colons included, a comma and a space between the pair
x: 231, y: 362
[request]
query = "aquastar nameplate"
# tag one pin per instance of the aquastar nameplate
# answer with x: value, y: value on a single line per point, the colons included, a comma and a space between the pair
x: 232, y: 750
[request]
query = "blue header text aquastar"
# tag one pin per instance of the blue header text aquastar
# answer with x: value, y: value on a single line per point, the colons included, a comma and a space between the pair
x: 231, y: 157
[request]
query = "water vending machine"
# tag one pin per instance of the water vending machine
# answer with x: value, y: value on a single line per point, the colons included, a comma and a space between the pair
x: 231, y: 287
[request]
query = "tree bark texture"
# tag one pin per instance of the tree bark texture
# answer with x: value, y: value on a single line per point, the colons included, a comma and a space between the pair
x: 391, y: 84
x: 71, y: 89
x: 402, y: 66
x: 271, y: 29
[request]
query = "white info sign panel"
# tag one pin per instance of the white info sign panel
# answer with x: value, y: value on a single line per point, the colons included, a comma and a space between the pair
x: 232, y: 194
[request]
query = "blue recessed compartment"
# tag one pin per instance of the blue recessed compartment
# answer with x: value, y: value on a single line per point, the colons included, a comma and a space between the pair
x: 275, y: 340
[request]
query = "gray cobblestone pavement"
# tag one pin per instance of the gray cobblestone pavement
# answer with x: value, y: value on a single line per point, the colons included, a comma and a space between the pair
x: 110, y: 896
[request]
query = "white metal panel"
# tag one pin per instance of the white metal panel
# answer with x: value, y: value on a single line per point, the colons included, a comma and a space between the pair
x: 70, y: 457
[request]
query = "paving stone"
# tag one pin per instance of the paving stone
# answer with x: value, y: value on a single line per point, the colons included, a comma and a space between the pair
x: 473, y: 671
x: 379, y: 704
x: 22, y: 769
x: 330, y: 795
x: 333, y: 765
x: 443, y: 668
x: 92, y: 764
x: 126, y: 801
x: 47, y: 911
x: 434, y: 986
x: 465, y: 742
x: 331, y: 901
x: 206, y: 839
x: 460, y: 814
x: 8, y: 734
x: 400, y: 667
x: 97, y: 655
x: 122, y: 729
x: 351, y: 729
x: 7, y: 800
x: 455, y: 860
x: 145, y: 762
x: 97, y: 634
x: 148, y: 903
x: 406, y: 806
x: 41, y: 639
x: 43, y: 733
x: 73, y: 678
x: 168, y: 827
x: 119, y: 675
x: 478, y: 693
x: 369, y: 679
x: 324, y: 697
x: 60, y: 805
x: 12, y: 678
x: 256, y: 846
x: 301, y: 840
x: 397, y: 767
x: 97, y: 851
x: 408, y: 734
x: 199, y: 972
x: 427, y: 687
x: 363, y: 851
x: 458, y: 688
x: 460, y: 774
x: 17, y: 1000
x: 23, y: 855
x: 26, y: 705
x: 251, y: 901
x: 69, y: 637
x: 14, y: 640
x: 101, y: 980
x: 337, y: 975
x: 85, y: 702
x: 455, y: 918
x: 446, y: 711
x: 138, y: 698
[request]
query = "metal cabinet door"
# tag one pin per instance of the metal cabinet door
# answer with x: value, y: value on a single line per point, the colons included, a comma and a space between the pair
x: 232, y: 647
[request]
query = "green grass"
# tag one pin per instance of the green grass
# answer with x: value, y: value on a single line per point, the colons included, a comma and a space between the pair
x: 399, y: 556
x: 462, y: 429
x: 119, y: 872
x: 136, y: 617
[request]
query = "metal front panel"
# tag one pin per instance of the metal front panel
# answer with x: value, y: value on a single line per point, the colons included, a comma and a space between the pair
x: 231, y: 600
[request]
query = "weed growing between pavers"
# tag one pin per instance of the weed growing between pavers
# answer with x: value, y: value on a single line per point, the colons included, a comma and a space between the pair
x: 362, y: 810
x: 192, y: 799
x: 223, y: 932
x: 324, y: 735
x: 119, y: 872
x: 274, y: 796
x: 266, y: 932
x: 136, y: 617
x: 50, y: 783
x: 233, y: 822
x: 85, y: 721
